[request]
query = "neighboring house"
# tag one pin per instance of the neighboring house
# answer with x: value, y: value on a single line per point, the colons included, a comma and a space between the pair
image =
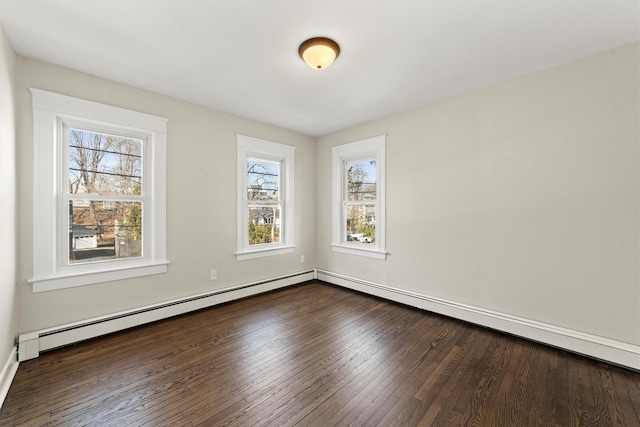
x: 84, y: 238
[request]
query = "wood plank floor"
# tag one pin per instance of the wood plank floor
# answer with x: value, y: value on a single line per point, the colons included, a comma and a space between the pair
x: 317, y: 355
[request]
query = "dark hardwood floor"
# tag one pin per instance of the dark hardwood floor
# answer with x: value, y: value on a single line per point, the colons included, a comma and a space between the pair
x: 317, y: 355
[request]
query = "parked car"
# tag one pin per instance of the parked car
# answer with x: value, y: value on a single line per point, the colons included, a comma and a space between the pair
x: 354, y: 237
x: 358, y: 237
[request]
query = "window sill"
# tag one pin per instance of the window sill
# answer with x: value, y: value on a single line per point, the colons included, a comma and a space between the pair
x: 353, y: 250
x: 261, y: 253
x: 43, y: 284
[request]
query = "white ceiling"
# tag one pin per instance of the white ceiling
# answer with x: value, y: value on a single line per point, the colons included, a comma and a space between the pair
x: 240, y: 56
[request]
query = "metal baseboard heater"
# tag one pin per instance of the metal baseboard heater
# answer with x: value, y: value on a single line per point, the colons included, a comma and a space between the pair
x: 31, y: 344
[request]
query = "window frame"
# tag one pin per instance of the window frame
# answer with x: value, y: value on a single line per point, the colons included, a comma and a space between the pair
x: 364, y: 150
x: 52, y: 114
x: 249, y: 147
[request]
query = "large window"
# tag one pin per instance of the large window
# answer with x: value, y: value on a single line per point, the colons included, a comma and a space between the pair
x: 265, y: 198
x: 99, y: 205
x: 105, y: 196
x: 358, y: 198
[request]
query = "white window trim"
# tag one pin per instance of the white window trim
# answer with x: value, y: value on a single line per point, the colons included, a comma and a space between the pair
x: 252, y: 147
x: 371, y: 148
x: 50, y: 112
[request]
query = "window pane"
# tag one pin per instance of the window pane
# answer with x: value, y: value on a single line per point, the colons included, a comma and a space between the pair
x: 263, y: 180
x: 104, y: 164
x: 264, y: 224
x: 361, y: 180
x: 103, y: 230
x: 360, y: 223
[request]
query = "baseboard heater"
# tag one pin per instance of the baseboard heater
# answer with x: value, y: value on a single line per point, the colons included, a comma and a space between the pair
x: 601, y: 348
x: 31, y: 344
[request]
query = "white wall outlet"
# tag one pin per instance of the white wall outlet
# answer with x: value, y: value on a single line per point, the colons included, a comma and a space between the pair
x: 302, y: 259
x: 213, y: 274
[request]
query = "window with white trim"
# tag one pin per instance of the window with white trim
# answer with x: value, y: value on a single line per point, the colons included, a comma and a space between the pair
x: 359, y: 198
x: 99, y: 192
x: 265, y: 198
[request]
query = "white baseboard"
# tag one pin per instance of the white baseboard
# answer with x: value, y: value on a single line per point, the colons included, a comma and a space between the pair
x: 8, y: 372
x: 616, y: 352
x: 32, y: 343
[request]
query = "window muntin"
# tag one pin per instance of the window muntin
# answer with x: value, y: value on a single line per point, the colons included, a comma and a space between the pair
x: 359, y: 198
x: 265, y: 198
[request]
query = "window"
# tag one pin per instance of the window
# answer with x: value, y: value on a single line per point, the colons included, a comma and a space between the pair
x: 100, y: 170
x: 359, y: 198
x: 104, y: 197
x: 265, y: 198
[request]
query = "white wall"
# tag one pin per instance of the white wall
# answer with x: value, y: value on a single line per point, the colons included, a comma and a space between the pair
x: 8, y: 302
x: 522, y: 198
x: 201, y: 209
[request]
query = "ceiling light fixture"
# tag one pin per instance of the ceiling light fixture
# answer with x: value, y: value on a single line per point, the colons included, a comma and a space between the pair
x: 319, y: 52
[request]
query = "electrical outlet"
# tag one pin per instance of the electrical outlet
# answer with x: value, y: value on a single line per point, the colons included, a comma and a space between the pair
x: 213, y: 274
x: 302, y: 259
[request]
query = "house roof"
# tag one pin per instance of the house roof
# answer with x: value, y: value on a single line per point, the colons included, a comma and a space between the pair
x: 242, y: 56
x: 80, y: 230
